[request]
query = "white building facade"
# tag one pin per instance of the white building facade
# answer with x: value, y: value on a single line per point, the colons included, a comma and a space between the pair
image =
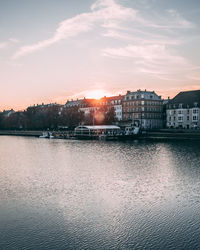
x: 183, y: 111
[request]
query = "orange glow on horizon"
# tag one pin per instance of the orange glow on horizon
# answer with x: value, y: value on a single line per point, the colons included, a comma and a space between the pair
x: 90, y: 94
x: 96, y: 94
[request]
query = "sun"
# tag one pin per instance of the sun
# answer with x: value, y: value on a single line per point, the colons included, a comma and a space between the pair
x: 96, y: 94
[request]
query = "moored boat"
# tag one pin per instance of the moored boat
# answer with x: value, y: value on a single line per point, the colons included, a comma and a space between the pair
x: 130, y: 133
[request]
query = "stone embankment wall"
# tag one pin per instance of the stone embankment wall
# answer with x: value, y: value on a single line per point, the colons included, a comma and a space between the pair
x: 151, y: 135
x: 172, y: 135
x: 20, y: 133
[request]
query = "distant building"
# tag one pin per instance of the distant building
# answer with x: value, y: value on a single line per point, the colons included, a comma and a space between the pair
x: 7, y: 113
x: 183, y: 111
x: 89, y: 106
x: 45, y: 105
x: 143, y: 108
x: 116, y: 103
x: 165, y: 102
x: 73, y: 103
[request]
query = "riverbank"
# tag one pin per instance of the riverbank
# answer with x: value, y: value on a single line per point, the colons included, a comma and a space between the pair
x: 20, y: 133
x: 171, y: 135
x: 164, y: 134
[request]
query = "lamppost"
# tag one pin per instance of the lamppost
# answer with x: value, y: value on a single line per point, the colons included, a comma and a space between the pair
x: 93, y: 117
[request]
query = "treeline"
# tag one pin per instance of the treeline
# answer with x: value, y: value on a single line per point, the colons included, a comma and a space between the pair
x: 54, y: 117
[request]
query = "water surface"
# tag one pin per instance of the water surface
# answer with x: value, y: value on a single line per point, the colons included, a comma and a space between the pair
x: 65, y: 194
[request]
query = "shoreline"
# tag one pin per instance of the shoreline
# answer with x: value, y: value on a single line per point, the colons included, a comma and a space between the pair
x: 150, y: 135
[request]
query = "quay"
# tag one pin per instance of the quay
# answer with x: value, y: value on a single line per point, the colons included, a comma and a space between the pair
x: 171, y: 134
x: 163, y: 134
x: 21, y: 133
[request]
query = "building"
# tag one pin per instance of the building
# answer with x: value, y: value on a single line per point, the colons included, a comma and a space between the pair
x: 143, y: 108
x: 183, y: 110
x: 89, y: 106
x: 7, y: 113
x: 44, y: 105
x: 73, y: 103
x: 116, y: 103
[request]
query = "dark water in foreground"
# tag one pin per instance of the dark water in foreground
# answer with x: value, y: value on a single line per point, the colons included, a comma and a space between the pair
x: 60, y: 194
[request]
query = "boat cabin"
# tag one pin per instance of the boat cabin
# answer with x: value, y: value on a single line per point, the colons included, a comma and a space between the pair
x: 97, y: 130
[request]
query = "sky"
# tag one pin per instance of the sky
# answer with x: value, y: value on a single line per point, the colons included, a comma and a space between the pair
x: 55, y: 50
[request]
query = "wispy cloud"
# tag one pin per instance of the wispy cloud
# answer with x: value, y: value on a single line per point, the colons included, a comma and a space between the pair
x: 112, y: 18
x: 3, y: 45
x: 103, y: 11
x: 14, y: 40
x: 194, y: 76
x: 152, y: 59
x: 178, y: 21
x: 156, y: 53
x: 109, y: 15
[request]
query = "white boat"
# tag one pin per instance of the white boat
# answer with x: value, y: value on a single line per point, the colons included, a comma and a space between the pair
x: 48, y: 135
x: 44, y: 135
x: 51, y: 135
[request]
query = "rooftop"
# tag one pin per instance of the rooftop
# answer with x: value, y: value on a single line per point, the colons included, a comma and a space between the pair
x: 187, y: 98
x: 96, y: 127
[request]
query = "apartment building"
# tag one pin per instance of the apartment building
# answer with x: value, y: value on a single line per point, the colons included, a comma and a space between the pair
x: 91, y: 105
x: 143, y: 108
x: 116, y: 103
x: 183, y: 111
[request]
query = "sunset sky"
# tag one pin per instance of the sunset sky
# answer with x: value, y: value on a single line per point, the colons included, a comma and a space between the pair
x: 54, y: 50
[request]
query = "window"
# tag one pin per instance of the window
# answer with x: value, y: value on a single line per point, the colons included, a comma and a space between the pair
x: 142, y: 102
x: 180, y: 105
x: 188, y: 118
x: 195, y: 111
x: 180, y: 118
x: 195, y: 118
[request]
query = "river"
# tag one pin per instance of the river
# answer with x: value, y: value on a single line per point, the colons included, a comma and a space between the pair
x: 70, y: 194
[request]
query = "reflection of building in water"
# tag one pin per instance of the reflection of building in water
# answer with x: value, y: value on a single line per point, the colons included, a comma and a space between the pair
x: 183, y: 110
